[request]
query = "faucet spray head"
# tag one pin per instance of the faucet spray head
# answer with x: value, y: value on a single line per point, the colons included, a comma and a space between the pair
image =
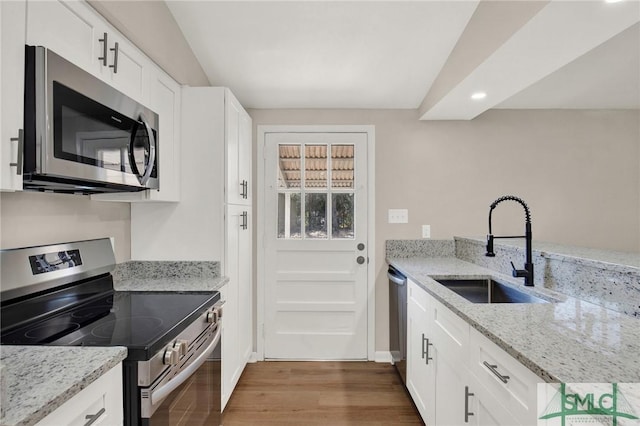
x: 490, y: 252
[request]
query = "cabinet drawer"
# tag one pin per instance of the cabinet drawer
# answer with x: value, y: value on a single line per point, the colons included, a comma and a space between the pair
x: 504, y: 377
x: 102, y: 399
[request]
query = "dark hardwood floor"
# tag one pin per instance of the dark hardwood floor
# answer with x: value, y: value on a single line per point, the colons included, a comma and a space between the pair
x: 320, y: 393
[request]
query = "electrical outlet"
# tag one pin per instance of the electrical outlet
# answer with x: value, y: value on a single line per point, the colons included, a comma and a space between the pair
x: 398, y: 216
x: 426, y: 231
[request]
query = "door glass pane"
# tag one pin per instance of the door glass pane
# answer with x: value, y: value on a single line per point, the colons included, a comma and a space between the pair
x: 289, y: 166
x: 289, y: 216
x: 315, y: 216
x: 342, y: 216
x: 342, y: 166
x: 315, y: 166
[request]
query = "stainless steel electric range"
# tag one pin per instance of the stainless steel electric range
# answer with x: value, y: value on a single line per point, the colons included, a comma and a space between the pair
x: 63, y: 295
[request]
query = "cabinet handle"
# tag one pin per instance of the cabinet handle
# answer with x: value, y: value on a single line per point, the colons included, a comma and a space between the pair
x: 91, y: 418
x: 425, y: 349
x: 244, y: 224
x: 103, y: 58
x: 494, y: 369
x: 467, y: 413
x: 245, y: 189
x: 19, y: 158
x: 115, y: 51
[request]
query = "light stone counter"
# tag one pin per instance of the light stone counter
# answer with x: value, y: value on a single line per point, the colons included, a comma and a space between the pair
x: 177, y: 276
x: 570, y: 340
x: 39, y: 379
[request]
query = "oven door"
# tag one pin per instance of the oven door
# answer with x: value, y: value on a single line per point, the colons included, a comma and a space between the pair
x: 191, y: 397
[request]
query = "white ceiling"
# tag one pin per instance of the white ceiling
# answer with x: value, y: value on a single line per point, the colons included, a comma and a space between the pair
x: 387, y: 54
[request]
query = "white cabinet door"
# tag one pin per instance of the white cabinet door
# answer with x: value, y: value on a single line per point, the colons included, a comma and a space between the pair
x: 238, y: 151
x: 127, y: 68
x: 237, y: 337
x: 420, y: 372
x: 449, y: 335
x: 70, y: 29
x: 12, y: 29
x: 165, y: 100
x: 245, y: 286
x: 101, y: 400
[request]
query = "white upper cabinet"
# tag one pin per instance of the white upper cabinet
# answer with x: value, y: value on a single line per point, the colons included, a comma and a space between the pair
x: 165, y: 99
x: 238, y: 151
x: 12, y: 21
x: 76, y: 32
x: 70, y: 29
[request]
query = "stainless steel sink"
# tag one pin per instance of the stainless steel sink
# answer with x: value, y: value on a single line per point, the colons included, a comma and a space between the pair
x: 488, y: 291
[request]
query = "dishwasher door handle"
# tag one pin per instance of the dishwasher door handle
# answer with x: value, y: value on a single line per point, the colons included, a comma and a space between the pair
x: 396, y: 279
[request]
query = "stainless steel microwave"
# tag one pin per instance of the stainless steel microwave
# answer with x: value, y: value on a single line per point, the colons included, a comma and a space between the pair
x: 82, y: 135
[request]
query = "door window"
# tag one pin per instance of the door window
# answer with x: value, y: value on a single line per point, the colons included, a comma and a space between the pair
x: 316, y: 191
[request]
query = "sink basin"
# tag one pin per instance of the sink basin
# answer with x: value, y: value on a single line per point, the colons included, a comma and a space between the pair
x: 488, y: 291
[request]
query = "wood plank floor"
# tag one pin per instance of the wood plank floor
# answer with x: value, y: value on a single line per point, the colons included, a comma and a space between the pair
x: 320, y: 393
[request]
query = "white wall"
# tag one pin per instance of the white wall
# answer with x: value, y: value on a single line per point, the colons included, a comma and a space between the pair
x: 579, y: 171
x: 30, y: 218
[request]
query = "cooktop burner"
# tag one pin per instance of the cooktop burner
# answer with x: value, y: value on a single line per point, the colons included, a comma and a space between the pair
x: 144, y: 322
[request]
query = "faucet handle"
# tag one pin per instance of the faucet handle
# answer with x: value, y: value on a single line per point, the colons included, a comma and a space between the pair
x: 518, y: 273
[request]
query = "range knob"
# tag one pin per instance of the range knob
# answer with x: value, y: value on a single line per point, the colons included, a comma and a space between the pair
x: 181, y: 346
x: 171, y: 357
x: 212, y: 316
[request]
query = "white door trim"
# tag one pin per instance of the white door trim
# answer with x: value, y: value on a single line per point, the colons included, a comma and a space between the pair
x: 262, y: 130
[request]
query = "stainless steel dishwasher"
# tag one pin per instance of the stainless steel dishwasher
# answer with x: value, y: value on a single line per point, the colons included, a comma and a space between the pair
x: 398, y: 321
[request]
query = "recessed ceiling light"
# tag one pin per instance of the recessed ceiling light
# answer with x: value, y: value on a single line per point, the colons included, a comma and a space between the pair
x: 478, y: 95
x: 613, y: 1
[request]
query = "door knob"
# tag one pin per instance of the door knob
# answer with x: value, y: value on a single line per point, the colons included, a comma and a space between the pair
x: 360, y: 260
x: 360, y: 246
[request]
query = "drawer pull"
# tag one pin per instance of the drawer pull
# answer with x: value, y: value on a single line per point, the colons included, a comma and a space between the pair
x: 91, y: 418
x: 467, y: 413
x: 494, y: 370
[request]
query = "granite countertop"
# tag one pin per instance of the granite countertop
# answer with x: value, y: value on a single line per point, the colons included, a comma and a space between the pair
x: 569, y: 340
x: 177, y: 276
x: 39, y: 379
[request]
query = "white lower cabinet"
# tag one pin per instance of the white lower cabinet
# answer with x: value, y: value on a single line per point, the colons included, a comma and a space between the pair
x: 457, y: 376
x: 101, y: 401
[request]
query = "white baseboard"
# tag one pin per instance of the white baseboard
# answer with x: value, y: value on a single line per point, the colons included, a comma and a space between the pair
x: 382, y: 356
x: 253, y: 357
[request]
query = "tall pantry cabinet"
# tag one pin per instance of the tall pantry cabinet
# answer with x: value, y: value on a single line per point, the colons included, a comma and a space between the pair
x: 212, y: 221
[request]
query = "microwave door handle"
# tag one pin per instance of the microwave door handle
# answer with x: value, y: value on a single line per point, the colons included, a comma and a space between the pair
x: 152, y: 152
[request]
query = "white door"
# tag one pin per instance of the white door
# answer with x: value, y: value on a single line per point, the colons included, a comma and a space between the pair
x: 315, y: 246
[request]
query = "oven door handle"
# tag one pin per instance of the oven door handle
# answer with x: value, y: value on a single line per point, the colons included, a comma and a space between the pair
x: 162, y: 392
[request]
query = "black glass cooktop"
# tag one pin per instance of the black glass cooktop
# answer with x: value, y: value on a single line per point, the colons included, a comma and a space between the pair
x: 144, y: 322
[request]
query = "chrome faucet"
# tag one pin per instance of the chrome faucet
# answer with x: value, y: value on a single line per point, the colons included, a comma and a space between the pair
x: 527, y: 272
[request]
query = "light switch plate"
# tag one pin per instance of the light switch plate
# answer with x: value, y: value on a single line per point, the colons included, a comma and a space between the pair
x: 426, y: 231
x: 398, y: 216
